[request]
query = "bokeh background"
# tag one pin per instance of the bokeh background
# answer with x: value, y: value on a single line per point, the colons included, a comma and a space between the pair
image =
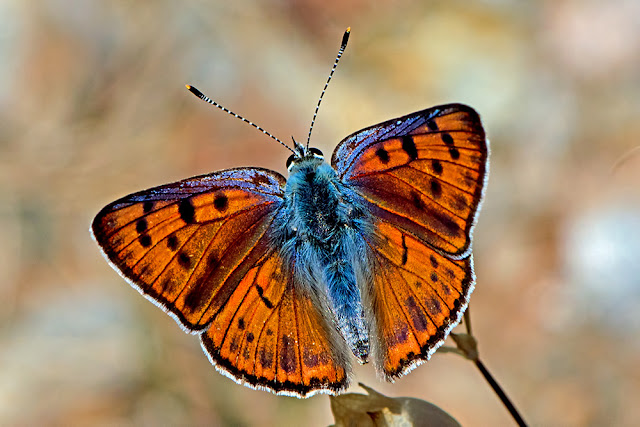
x: 93, y: 107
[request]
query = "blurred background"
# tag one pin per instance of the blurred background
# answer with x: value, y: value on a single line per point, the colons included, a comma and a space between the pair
x: 93, y: 107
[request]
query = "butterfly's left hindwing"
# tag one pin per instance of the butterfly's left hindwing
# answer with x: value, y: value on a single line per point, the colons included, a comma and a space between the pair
x: 272, y: 335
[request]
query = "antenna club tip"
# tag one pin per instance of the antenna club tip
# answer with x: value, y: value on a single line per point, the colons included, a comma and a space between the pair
x: 194, y: 91
x: 345, y: 38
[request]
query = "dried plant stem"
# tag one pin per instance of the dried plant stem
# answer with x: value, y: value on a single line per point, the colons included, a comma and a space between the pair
x: 500, y: 392
x: 468, y: 347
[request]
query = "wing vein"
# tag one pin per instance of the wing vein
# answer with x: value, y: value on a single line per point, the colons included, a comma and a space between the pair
x: 428, y: 196
x: 442, y: 180
x: 383, y: 276
x: 232, y: 247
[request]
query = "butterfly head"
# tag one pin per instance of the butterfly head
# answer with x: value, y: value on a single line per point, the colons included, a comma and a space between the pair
x: 301, y: 154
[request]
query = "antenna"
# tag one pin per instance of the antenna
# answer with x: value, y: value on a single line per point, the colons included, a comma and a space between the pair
x: 343, y: 46
x: 205, y: 98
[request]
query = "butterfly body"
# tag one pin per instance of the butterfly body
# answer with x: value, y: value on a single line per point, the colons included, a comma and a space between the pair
x: 283, y: 278
x: 323, y: 224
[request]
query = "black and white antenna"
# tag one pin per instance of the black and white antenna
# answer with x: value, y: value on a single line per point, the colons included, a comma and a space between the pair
x: 343, y: 46
x: 298, y: 149
x: 205, y: 98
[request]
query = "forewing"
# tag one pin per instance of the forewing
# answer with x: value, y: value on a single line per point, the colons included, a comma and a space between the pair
x: 424, y: 172
x: 185, y: 246
x: 271, y: 334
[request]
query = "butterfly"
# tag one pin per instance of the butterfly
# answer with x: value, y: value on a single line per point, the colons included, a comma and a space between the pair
x: 283, y: 279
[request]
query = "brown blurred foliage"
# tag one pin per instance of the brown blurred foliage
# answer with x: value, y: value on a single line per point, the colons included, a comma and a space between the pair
x: 93, y: 107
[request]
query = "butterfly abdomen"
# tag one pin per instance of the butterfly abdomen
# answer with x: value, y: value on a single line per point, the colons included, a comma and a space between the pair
x: 324, y: 229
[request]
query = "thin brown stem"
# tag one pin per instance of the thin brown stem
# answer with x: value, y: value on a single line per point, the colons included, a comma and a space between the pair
x: 468, y: 347
x: 501, y: 394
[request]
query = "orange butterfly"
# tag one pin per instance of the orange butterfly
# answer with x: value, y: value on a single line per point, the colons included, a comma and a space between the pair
x: 282, y: 278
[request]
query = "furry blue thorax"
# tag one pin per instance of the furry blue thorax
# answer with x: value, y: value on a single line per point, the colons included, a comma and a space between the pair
x: 322, y: 226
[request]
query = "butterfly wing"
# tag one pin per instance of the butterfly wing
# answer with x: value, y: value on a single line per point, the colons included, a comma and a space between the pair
x: 422, y: 177
x: 202, y: 250
x: 424, y: 172
x: 418, y: 296
x: 272, y: 336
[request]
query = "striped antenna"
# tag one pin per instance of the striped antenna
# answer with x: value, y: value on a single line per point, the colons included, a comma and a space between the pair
x: 205, y: 98
x: 343, y: 46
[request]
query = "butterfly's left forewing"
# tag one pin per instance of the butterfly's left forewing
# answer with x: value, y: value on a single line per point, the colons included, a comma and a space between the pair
x: 185, y: 245
x: 422, y: 178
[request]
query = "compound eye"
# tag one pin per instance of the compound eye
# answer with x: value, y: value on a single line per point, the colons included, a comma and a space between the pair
x: 315, y: 151
x: 290, y: 161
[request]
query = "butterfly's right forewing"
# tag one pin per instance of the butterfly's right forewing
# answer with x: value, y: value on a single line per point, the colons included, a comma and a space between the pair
x: 424, y: 172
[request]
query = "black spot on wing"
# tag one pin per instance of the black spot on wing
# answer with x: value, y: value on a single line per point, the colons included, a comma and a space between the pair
x: 287, y: 354
x: 383, y: 156
x: 212, y: 261
x: 401, y: 335
x: 264, y: 299
x: 266, y: 358
x: 141, y: 225
x: 417, y: 201
x: 434, y: 306
x: 460, y: 202
x: 145, y: 240
x: 221, y: 202
x: 404, y: 251
x: 184, y: 260
x: 434, y: 261
x: 417, y: 316
x: 436, y: 166
x: 196, y: 298
x: 409, y: 147
x: 172, y: 242
x: 445, y: 224
x: 309, y: 359
x: 436, y: 188
x: 187, y: 211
